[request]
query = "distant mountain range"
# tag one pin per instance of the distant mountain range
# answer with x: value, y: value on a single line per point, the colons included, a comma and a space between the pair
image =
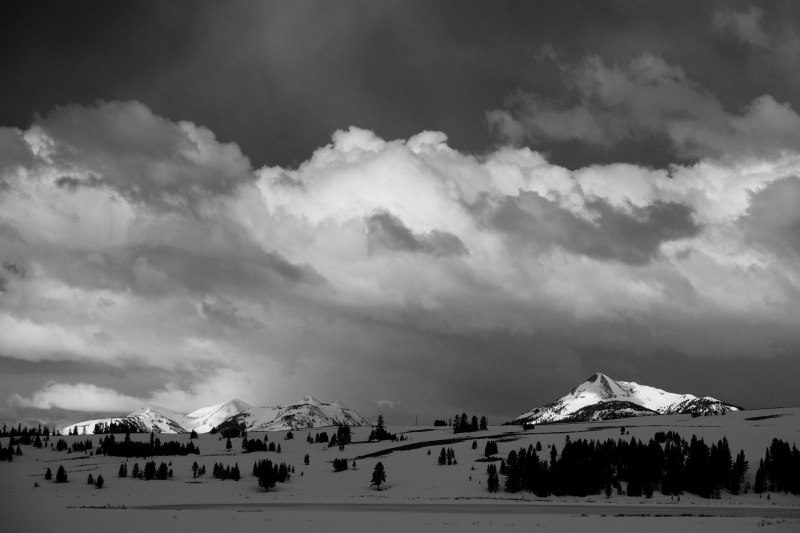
x: 602, y: 398
x: 308, y: 413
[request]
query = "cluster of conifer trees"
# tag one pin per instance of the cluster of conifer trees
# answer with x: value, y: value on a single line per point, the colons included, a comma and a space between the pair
x: 340, y: 464
x: 226, y: 472
x: 447, y: 457
x: 667, y: 462
x: 257, y: 445
x: 461, y: 424
x: 128, y: 448
x: 123, y: 426
x: 61, y: 475
x: 321, y: 437
x: 77, y: 446
x: 380, y: 432
x: 269, y: 474
x: 230, y: 429
x: 20, y: 431
x: 150, y: 471
x: 7, y: 454
x: 779, y: 470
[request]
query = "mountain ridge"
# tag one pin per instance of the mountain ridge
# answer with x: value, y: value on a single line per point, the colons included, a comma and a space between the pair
x: 602, y: 398
x: 307, y: 413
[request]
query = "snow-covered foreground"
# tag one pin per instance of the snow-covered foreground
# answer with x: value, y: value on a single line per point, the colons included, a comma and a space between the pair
x: 425, y: 491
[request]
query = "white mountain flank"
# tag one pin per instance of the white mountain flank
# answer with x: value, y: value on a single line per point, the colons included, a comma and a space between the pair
x: 308, y: 413
x: 600, y: 398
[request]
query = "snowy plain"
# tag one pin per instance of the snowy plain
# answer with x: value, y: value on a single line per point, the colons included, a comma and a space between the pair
x: 419, y: 495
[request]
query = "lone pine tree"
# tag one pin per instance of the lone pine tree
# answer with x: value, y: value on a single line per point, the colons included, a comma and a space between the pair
x: 378, y: 475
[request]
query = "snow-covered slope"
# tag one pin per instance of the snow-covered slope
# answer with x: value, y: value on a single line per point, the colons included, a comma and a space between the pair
x: 308, y: 413
x: 602, y: 398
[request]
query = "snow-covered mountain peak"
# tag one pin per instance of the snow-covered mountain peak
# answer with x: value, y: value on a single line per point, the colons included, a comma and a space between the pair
x: 600, y: 386
x: 309, y: 413
x: 601, y: 397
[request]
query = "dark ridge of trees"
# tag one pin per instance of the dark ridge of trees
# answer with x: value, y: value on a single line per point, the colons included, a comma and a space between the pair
x: 269, y: 474
x: 779, y: 470
x: 150, y: 471
x: 20, y: 431
x: 462, y: 424
x: 109, y: 445
x: 667, y: 463
x: 226, y: 472
x: 440, y: 423
x: 121, y: 426
x: 230, y: 429
x: 257, y: 445
x: 321, y: 438
x: 339, y: 465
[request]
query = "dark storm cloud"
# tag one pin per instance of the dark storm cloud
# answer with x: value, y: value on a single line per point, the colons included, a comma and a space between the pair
x: 147, y: 158
x: 279, y: 77
x: 630, y: 237
x: 353, y: 260
x: 387, y: 232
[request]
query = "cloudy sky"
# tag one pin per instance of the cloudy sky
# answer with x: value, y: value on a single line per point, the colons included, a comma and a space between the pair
x: 415, y: 208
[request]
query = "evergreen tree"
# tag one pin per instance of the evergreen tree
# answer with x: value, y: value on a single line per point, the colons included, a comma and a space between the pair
x: 135, y: 473
x: 493, y: 483
x: 483, y: 425
x: 99, y: 482
x: 61, y: 475
x: 760, y: 484
x: 306, y: 459
x: 228, y: 445
x: 378, y: 475
x: 195, y: 468
x: 193, y: 435
x: 123, y: 470
x: 48, y: 475
x: 90, y: 480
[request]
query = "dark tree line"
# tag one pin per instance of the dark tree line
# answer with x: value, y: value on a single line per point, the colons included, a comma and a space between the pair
x: 109, y: 445
x: 779, y: 470
x: 149, y: 472
x: 226, y: 472
x: 269, y: 474
x: 321, y: 437
x: 230, y: 429
x: 462, y: 424
x: 591, y: 467
x: 121, y: 426
x: 257, y: 445
x: 340, y: 465
x: 21, y: 431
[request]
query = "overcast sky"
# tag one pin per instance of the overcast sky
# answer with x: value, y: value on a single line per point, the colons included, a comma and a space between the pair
x: 411, y: 207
